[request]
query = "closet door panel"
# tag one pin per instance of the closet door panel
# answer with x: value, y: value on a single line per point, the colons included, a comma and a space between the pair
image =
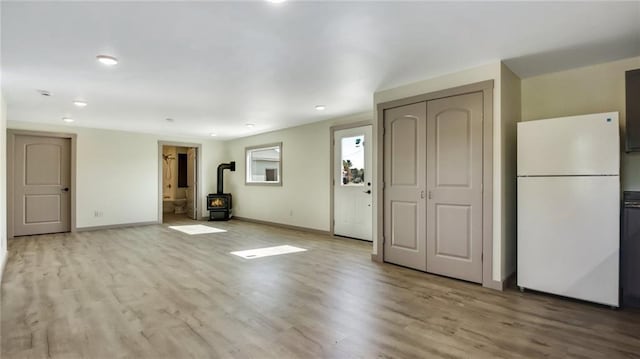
x: 405, y: 184
x: 454, y: 181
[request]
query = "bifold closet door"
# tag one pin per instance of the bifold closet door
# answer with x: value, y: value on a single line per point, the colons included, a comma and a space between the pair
x: 454, y: 180
x: 405, y: 184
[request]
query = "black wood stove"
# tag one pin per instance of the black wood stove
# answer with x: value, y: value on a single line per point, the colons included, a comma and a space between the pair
x: 220, y: 205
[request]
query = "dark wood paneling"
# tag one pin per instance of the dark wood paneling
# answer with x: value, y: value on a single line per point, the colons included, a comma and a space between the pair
x: 633, y: 110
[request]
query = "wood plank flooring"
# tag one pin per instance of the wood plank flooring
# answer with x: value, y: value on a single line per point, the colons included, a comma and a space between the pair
x: 152, y: 292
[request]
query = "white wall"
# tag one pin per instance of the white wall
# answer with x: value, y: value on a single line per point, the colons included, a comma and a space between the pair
x: 591, y: 89
x: 491, y: 71
x: 117, y: 173
x: 303, y: 200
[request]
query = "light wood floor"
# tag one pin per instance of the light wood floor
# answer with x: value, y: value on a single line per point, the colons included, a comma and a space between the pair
x: 151, y: 292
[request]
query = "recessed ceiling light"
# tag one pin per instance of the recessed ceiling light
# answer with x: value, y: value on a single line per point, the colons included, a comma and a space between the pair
x: 107, y: 60
x: 213, y: 134
x: 67, y: 119
x: 320, y: 107
x: 250, y: 125
x: 80, y: 103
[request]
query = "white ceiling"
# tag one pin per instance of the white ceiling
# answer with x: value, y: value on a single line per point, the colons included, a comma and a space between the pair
x: 215, y: 66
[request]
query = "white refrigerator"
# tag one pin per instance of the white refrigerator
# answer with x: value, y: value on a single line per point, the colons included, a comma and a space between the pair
x: 569, y: 207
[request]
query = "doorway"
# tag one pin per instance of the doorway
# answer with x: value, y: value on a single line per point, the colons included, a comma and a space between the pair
x: 40, y: 179
x: 178, y: 182
x: 437, y: 163
x: 352, y: 182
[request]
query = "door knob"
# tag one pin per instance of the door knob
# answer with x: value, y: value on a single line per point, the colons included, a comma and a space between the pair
x: 367, y: 191
x: 66, y: 189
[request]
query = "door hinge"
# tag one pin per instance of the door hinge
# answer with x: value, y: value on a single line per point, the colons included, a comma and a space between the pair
x: 382, y: 184
x: 383, y: 240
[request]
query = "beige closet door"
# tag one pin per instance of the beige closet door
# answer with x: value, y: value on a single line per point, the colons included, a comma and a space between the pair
x: 42, y: 176
x: 454, y: 178
x: 405, y: 185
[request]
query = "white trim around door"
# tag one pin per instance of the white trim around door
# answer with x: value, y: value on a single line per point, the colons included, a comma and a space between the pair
x: 486, y: 88
x: 199, y: 200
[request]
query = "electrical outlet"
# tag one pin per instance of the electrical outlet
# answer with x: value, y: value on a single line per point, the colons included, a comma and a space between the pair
x: 97, y: 213
x: 291, y: 213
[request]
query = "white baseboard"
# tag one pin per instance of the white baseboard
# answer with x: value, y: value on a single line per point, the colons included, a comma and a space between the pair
x: 282, y: 225
x: 115, y: 226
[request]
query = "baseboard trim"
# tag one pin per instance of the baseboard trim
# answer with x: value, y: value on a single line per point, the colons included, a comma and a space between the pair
x: 494, y: 284
x: 377, y: 257
x: 282, y: 225
x: 115, y: 226
x: 501, y: 284
x: 509, y: 281
x: 5, y: 257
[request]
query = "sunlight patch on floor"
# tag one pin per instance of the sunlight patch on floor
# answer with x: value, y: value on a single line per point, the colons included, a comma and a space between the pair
x: 268, y: 251
x: 197, y: 229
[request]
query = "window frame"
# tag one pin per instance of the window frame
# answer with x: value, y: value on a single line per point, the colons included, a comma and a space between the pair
x: 247, y: 169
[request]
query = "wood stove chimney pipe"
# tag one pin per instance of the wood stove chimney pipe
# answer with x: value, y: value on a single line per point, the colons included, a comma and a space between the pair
x: 224, y: 166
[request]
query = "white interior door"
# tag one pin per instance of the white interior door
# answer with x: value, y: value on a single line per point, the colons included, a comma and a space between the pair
x: 192, y: 190
x: 353, y: 215
x: 405, y: 184
x: 454, y: 180
x: 42, y: 179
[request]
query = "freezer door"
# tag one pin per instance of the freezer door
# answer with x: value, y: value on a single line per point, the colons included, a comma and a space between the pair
x: 569, y: 236
x: 579, y: 145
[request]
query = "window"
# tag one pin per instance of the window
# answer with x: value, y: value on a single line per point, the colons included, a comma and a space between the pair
x: 264, y: 164
x: 353, y: 161
x: 182, y: 170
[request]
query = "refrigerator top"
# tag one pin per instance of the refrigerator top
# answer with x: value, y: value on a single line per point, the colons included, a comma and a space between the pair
x: 587, y: 145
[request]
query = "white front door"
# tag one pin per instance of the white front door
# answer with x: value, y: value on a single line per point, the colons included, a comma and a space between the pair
x: 352, y: 183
